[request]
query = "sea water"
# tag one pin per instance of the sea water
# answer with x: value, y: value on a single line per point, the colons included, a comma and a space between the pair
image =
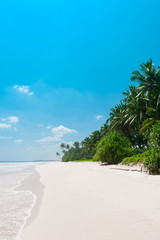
x: 15, y: 205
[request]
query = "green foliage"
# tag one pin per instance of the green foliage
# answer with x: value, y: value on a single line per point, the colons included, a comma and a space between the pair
x: 90, y: 143
x: 113, y: 148
x: 147, y: 124
x: 148, y: 79
x: 84, y: 160
x: 154, y: 135
x: 133, y: 125
x: 128, y: 116
x: 152, y: 162
x: 71, y: 153
x: 150, y: 159
x: 140, y: 107
x: 135, y: 159
x: 84, y: 150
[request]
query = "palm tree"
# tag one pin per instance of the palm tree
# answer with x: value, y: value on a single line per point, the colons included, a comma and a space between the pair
x: 117, y: 119
x: 153, y: 113
x: 58, y: 154
x: 149, y: 88
x: 104, y: 129
x: 148, y: 79
x: 62, y: 145
x: 76, y: 145
x: 135, y: 111
x: 67, y: 146
x: 128, y: 116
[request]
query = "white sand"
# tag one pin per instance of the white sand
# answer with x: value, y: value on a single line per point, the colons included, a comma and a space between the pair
x: 85, y: 201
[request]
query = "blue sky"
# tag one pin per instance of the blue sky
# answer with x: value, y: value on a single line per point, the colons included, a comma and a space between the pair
x: 65, y: 62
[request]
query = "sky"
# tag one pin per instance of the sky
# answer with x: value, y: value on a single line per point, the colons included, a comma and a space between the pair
x: 64, y: 65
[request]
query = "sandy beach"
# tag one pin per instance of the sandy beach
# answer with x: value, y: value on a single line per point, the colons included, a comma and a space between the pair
x: 86, y: 201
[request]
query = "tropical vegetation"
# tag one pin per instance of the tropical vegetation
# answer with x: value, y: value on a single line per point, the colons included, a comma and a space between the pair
x: 113, y: 147
x: 131, y: 134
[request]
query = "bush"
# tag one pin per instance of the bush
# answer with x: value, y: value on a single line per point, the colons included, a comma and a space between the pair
x: 135, y: 159
x: 150, y: 159
x: 152, y: 162
x: 113, y: 148
x: 154, y: 135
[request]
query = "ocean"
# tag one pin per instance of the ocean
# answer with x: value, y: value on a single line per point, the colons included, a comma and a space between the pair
x: 15, y: 205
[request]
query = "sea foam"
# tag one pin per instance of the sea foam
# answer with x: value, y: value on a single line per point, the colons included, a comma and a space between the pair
x: 15, y: 205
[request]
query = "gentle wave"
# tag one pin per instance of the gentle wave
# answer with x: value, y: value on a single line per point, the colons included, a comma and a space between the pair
x: 15, y: 206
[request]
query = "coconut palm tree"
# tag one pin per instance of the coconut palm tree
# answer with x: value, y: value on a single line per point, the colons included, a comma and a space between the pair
x: 153, y: 113
x: 136, y: 107
x: 128, y: 116
x: 117, y: 118
x: 149, y: 87
x: 62, y: 145
x: 148, y: 79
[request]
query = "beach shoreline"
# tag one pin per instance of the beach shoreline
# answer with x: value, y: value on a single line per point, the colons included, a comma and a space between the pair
x: 89, y: 201
x: 33, y: 184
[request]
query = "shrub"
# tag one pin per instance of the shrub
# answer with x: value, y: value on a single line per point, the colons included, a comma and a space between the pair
x: 152, y: 162
x: 113, y: 148
x: 150, y: 159
x: 154, y: 135
x: 135, y: 159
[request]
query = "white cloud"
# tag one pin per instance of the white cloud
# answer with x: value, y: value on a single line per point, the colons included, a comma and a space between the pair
x: 4, y: 125
x: 98, y: 117
x: 24, y: 89
x: 61, y: 130
x: 13, y: 119
x: 56, y: 138
x: 19, y: 141
x: 10, y: 119
x: 58, y: 132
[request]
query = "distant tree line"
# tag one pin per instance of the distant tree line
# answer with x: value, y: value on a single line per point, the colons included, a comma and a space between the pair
x: 85, y: 149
